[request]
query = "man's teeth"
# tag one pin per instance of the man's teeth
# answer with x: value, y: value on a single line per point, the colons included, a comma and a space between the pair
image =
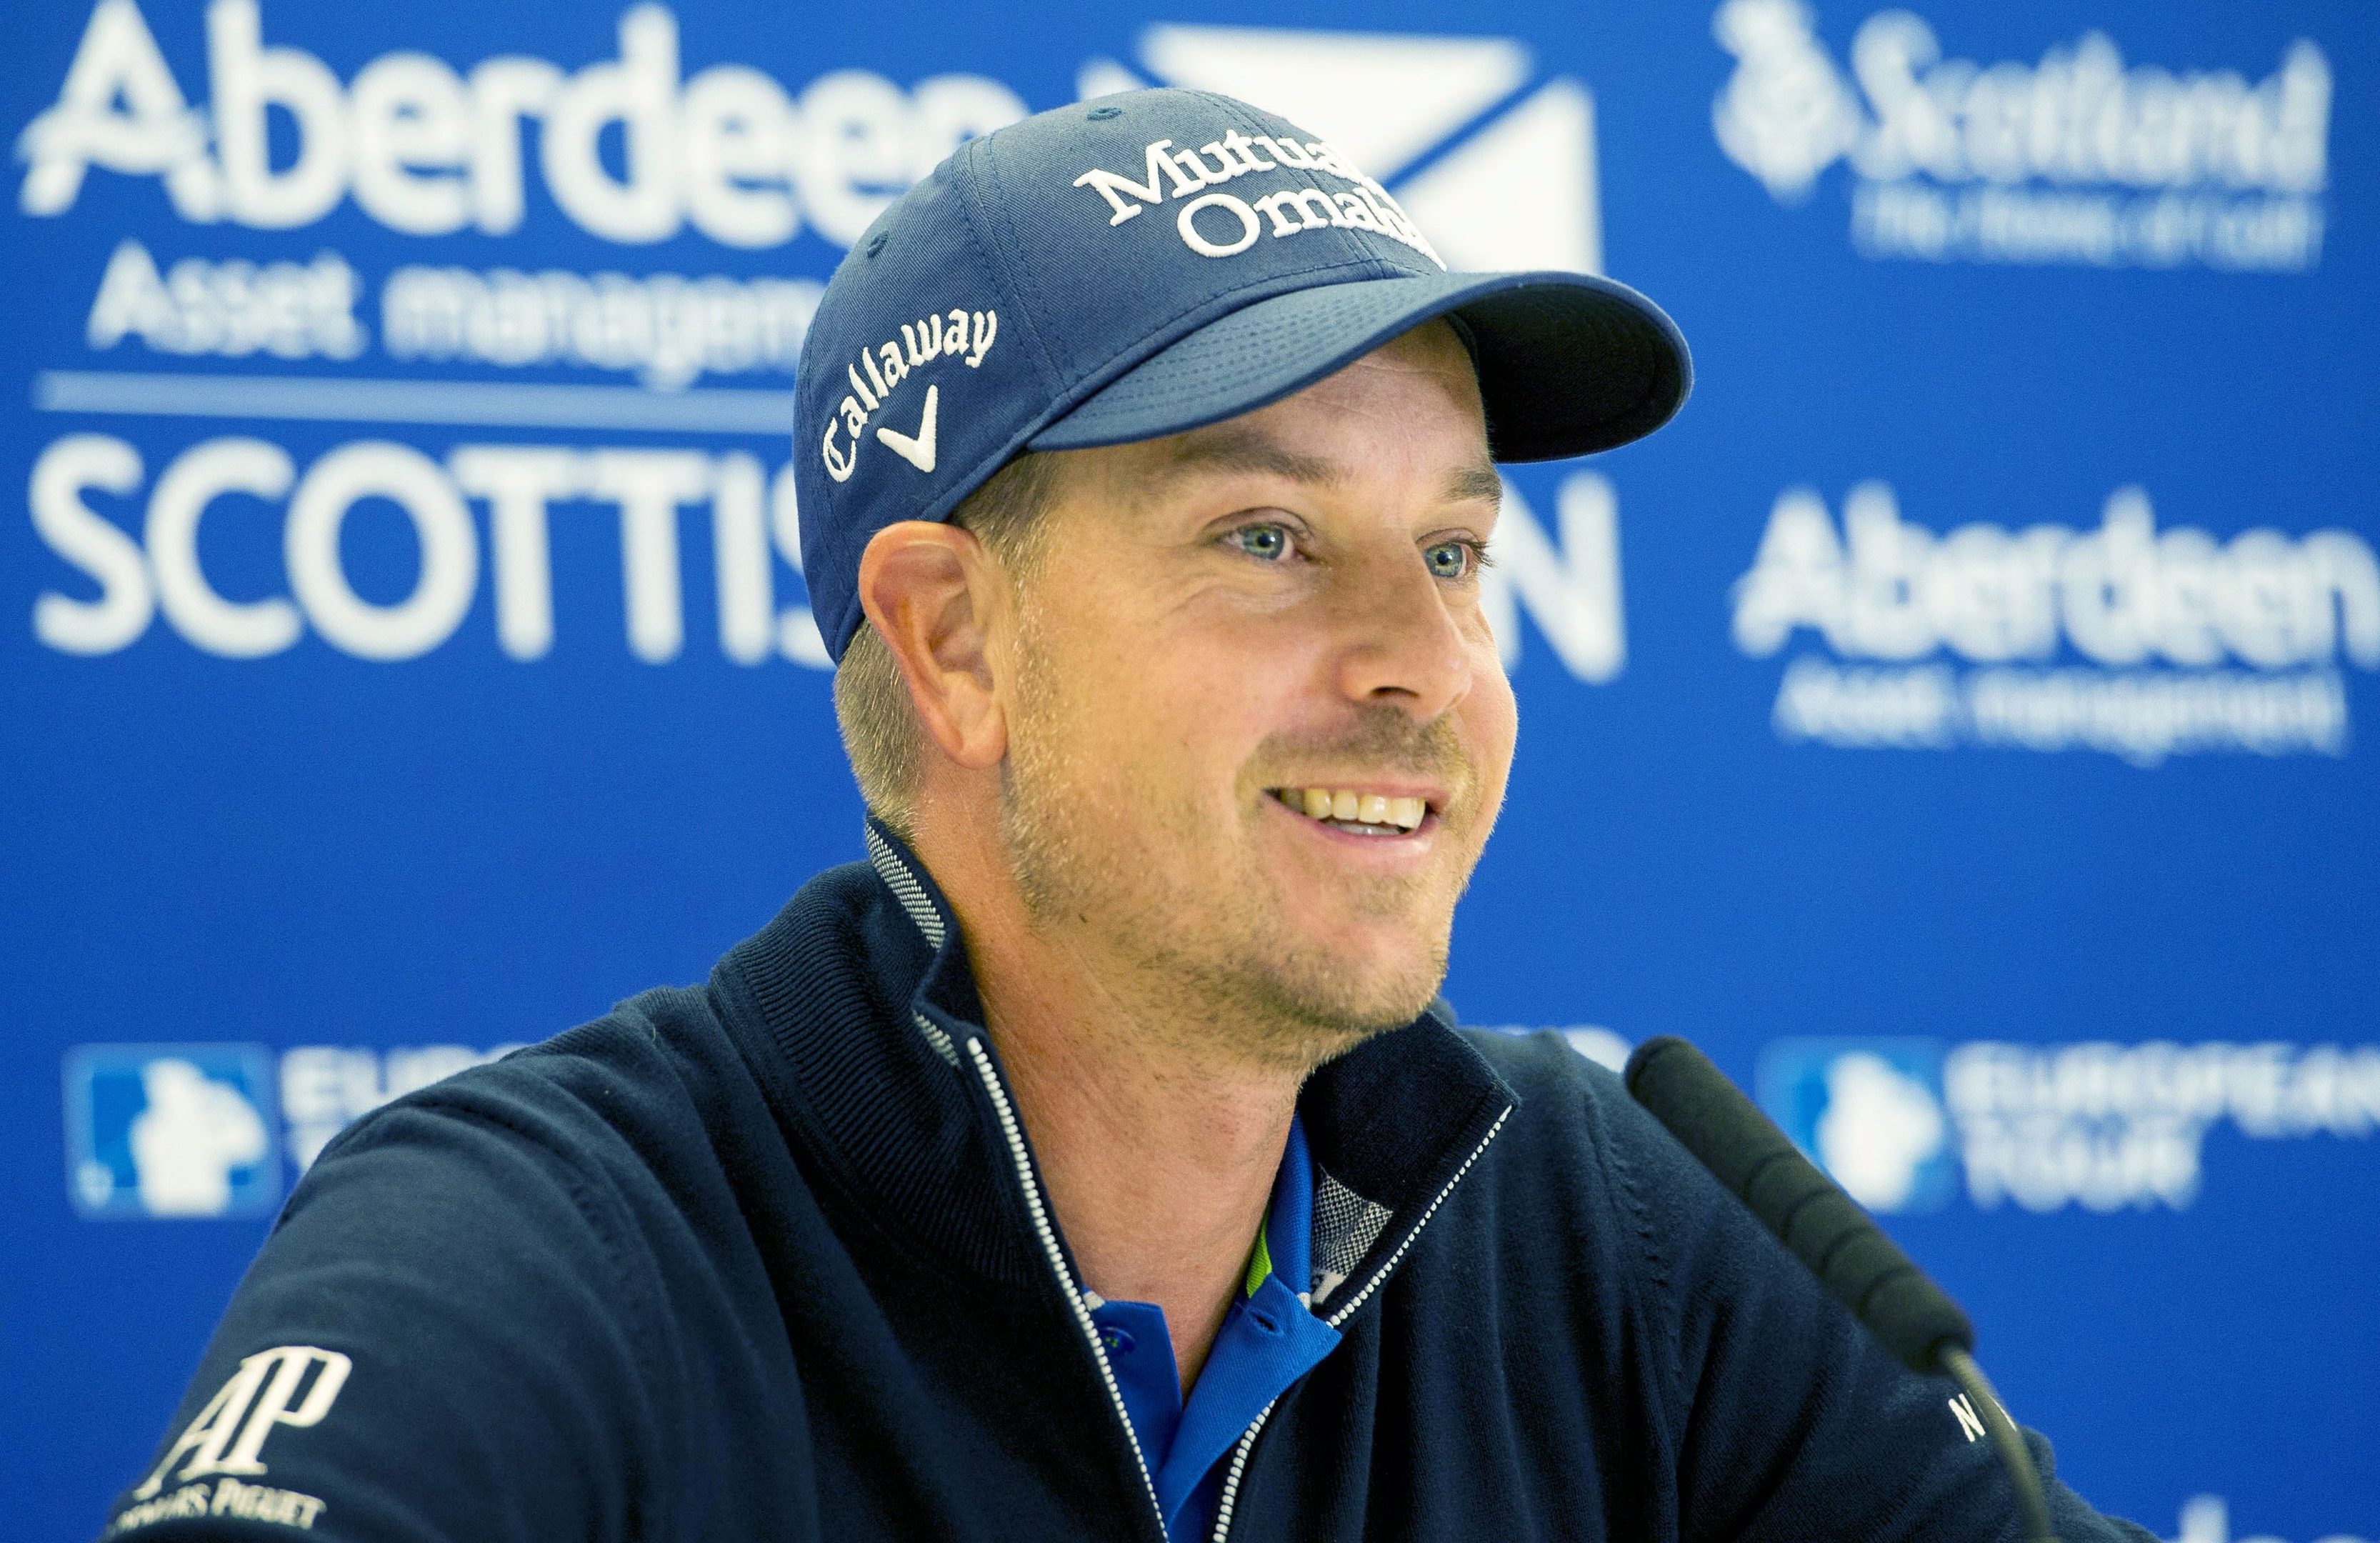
x: 1340, y: 806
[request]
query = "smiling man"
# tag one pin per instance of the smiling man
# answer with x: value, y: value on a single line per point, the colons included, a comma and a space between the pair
x: 1096, y: 1160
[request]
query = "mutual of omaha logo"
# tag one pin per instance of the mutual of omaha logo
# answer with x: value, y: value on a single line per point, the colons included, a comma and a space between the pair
x: 2074, y: 159
x: 1493, y: 162
x: 1287, y: 211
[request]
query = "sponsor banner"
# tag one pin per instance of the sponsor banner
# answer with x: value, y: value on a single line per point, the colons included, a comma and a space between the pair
x: 421, y: 354
x: 171, y: 1130
x: 2141, y: 642
x: 1492, y: 156
x: 484, y: 519
x: 203, y: 1130
x: 2078, y: 157
x: 407, y: 651
x: 2101, y: 1126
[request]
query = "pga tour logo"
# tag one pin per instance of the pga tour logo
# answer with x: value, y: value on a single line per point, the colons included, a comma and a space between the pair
x: 2075, y: 158
x: 171, y: 1130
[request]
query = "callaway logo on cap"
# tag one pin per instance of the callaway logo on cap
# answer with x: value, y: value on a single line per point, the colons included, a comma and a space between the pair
x: 1144, y: 264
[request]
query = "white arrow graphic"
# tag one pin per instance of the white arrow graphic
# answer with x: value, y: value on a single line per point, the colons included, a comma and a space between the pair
x: 917, y: 452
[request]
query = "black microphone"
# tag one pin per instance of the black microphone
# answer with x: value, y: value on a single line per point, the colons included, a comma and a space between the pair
x: 1826, y: 1231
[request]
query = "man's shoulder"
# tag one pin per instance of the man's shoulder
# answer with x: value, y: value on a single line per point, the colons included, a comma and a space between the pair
x: 542, y: 1267
x: 601, y: 1080
x: 1543, y: 1061
x: 1575, y: 1130
x: 658, y: 1062
x: 1560, y: 1091
x: 565, y: 1155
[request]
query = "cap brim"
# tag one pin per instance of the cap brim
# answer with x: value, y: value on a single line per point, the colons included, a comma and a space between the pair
x: 1569, y: 363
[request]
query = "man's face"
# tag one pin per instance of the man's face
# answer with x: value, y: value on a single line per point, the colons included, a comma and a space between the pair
x: 1259, y: 729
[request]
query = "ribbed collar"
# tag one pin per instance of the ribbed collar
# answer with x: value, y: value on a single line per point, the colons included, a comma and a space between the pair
x: 865, y: 998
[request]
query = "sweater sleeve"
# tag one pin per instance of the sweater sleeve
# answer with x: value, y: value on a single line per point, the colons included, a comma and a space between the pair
x: 441, y: 1339
x: 1790, y: 1422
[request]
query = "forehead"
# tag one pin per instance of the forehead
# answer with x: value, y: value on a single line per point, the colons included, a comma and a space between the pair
x: 1411, y: 407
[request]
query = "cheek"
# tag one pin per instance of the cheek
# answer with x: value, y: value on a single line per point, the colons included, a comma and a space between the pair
x: 1228, y: 678
x: 1491, y: 717
x: 1163, y: 711
x: 1216, y: 692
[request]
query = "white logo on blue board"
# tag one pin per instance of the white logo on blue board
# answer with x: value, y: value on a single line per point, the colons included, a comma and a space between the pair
x: 2077, y: 158
x: 2207, y: 1519
x: 2142, y: 640
x: 1870, y: 1112
x: 1492, y: 165
x: 171, y: 1130
x: 1785, y: 115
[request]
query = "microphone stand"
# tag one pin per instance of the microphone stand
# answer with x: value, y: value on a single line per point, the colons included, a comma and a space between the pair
x: 2031, y: 1504
x: 1824, y: 1228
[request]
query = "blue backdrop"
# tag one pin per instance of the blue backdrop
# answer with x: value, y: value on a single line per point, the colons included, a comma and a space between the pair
x: 1955, y: 721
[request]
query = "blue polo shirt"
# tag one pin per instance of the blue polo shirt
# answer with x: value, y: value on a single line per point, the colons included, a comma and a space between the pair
x: 1269, y: 1339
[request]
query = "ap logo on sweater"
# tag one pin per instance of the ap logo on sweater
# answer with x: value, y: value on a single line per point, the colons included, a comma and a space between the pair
x: 215, y: 1464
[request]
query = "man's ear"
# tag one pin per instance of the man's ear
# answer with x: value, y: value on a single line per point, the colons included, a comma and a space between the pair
x: 931, y: 591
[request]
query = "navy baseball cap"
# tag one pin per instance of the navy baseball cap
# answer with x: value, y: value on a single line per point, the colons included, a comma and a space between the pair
x: 1144, y: 264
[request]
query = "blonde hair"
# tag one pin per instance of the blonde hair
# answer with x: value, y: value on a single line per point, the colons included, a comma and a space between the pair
x: 881, y: 732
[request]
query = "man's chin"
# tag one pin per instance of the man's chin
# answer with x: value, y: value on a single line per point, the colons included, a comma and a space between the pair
x: 1349, y: 998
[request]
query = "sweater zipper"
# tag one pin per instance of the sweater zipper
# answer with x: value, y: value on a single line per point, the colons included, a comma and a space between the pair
x: 1044, y: 1230
x: 1249, y: 1439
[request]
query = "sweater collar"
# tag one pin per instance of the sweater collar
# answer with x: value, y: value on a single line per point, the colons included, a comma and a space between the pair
x: 865, y: 992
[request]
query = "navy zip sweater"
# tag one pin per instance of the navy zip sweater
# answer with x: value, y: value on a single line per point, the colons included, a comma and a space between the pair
x: 769, y: 1258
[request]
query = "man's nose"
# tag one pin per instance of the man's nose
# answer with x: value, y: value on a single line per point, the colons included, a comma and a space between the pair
x: 1400, y: 646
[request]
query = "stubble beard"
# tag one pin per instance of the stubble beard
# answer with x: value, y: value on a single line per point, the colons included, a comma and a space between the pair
x: 1222, y: 979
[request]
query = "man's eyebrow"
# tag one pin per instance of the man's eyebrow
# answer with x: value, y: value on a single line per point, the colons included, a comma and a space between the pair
x: 1242, y: 451
x: 1479, y: 484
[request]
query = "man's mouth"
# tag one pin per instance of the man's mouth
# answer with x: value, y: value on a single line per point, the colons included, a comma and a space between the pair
x: 1356, y: 812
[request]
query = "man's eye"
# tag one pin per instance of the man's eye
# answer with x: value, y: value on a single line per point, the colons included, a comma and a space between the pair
x: 1269, y: 543
x: 1452, y: 559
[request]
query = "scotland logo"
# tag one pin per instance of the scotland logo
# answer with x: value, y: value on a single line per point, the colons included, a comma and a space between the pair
x: 1870, y: 1112
x: 2077, y: 158
x: 171, y: 1130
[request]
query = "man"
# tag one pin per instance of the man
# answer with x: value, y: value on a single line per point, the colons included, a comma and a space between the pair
x: 1096, y: 1160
